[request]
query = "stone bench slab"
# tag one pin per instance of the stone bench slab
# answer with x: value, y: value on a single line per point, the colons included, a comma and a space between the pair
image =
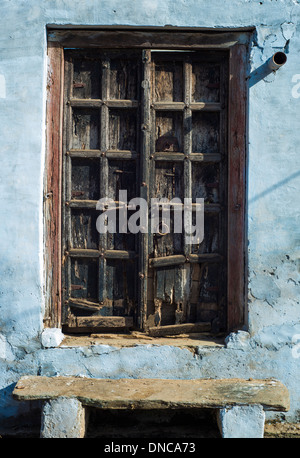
x: 156, y: 393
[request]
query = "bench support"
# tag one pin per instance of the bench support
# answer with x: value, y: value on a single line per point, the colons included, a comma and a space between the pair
x: 63, y: 418
x: 239, y: 402
x: 241, y: 421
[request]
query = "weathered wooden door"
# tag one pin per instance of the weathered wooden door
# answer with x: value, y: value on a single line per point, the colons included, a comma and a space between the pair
x: 152, y: 124
x: 188, y: 161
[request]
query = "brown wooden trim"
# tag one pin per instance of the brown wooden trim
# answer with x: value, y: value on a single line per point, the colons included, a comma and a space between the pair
x: 236, y: 187
x: 236, y: 155
x: 176, y: 259
x: 146, y: 39
x: 176, y: 329
x: 101, y: 322
x: 52, y: 200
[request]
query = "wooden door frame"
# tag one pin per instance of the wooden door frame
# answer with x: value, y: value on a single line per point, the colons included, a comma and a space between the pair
x: 236, y: 44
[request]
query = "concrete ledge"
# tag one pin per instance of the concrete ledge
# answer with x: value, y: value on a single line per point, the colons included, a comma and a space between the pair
x: 240, y: 402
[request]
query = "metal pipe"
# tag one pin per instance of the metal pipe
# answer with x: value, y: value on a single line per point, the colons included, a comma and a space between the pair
x: 277, y: 60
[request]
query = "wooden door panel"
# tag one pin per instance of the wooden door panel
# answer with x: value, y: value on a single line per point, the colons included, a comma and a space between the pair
x: 206, y: 131
x: 205, y: 82
x: 168, y: 81
x: 169, y: 131
x: 86, y: 131
x: 102, y: 148
x: 187, y: 286
x: 124, y: 77
x: 84, y: 179
x: 87, y: 78
x: 157, y: 133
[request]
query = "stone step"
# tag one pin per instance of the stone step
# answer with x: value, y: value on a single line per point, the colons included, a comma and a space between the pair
x: 156, y: 393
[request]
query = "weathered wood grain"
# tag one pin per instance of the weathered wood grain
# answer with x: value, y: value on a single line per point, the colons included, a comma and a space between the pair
x: 236, y: 187
x: 146, y: 39
x: 156, y: 393
x: 53, y: 186
x: 176, y: 329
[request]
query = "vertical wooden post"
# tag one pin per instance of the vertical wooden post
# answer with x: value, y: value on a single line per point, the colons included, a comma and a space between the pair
x: 52, y: 185
x: 104, y: 126
x: 236, y: 186
x: 144, y: 185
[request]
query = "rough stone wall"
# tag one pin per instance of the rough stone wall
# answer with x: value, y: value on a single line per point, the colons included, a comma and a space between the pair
x: 269, y: 348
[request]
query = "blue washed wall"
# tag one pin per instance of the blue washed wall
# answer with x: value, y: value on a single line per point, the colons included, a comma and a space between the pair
x: 269, y: 347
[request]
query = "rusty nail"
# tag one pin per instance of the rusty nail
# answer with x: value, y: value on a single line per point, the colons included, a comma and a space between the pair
x: 67, y: 204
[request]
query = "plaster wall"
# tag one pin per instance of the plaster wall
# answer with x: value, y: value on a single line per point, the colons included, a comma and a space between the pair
x: 269, y: 345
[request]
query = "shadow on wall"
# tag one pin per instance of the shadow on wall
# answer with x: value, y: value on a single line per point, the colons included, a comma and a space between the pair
x: 18, y: 418
x: 271, y: 66
x: 274, y: 187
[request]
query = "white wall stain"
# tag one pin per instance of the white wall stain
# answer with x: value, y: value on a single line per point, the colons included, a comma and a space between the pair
x: 2, y: 87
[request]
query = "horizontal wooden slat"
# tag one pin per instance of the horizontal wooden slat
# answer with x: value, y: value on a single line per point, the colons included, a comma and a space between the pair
x: 108, y: 254
x: 176, y: 329
x: 83, y: 304
x: 121, y: 103
x: 96, y: 153
x: 205, y: 106
x: 169, y: 106
x: 197, y: 157
x: 121, y: 154
x: 146, y: 39
x: 119, y: 254
x: 82, y: 203
x: 83, y: 153
x: 180, y: 259
x: 206, y: 157
x: 178, y: 106
x: 167, y: 261
x: 91, y: 204
x: 104, y: 322
x: 162, y: 156
x: 97, y: 103
x: 81, y: 253
x: 208, y: 208
x: 155, y: 393
x: 206, y: 257
x: 85, y: 103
